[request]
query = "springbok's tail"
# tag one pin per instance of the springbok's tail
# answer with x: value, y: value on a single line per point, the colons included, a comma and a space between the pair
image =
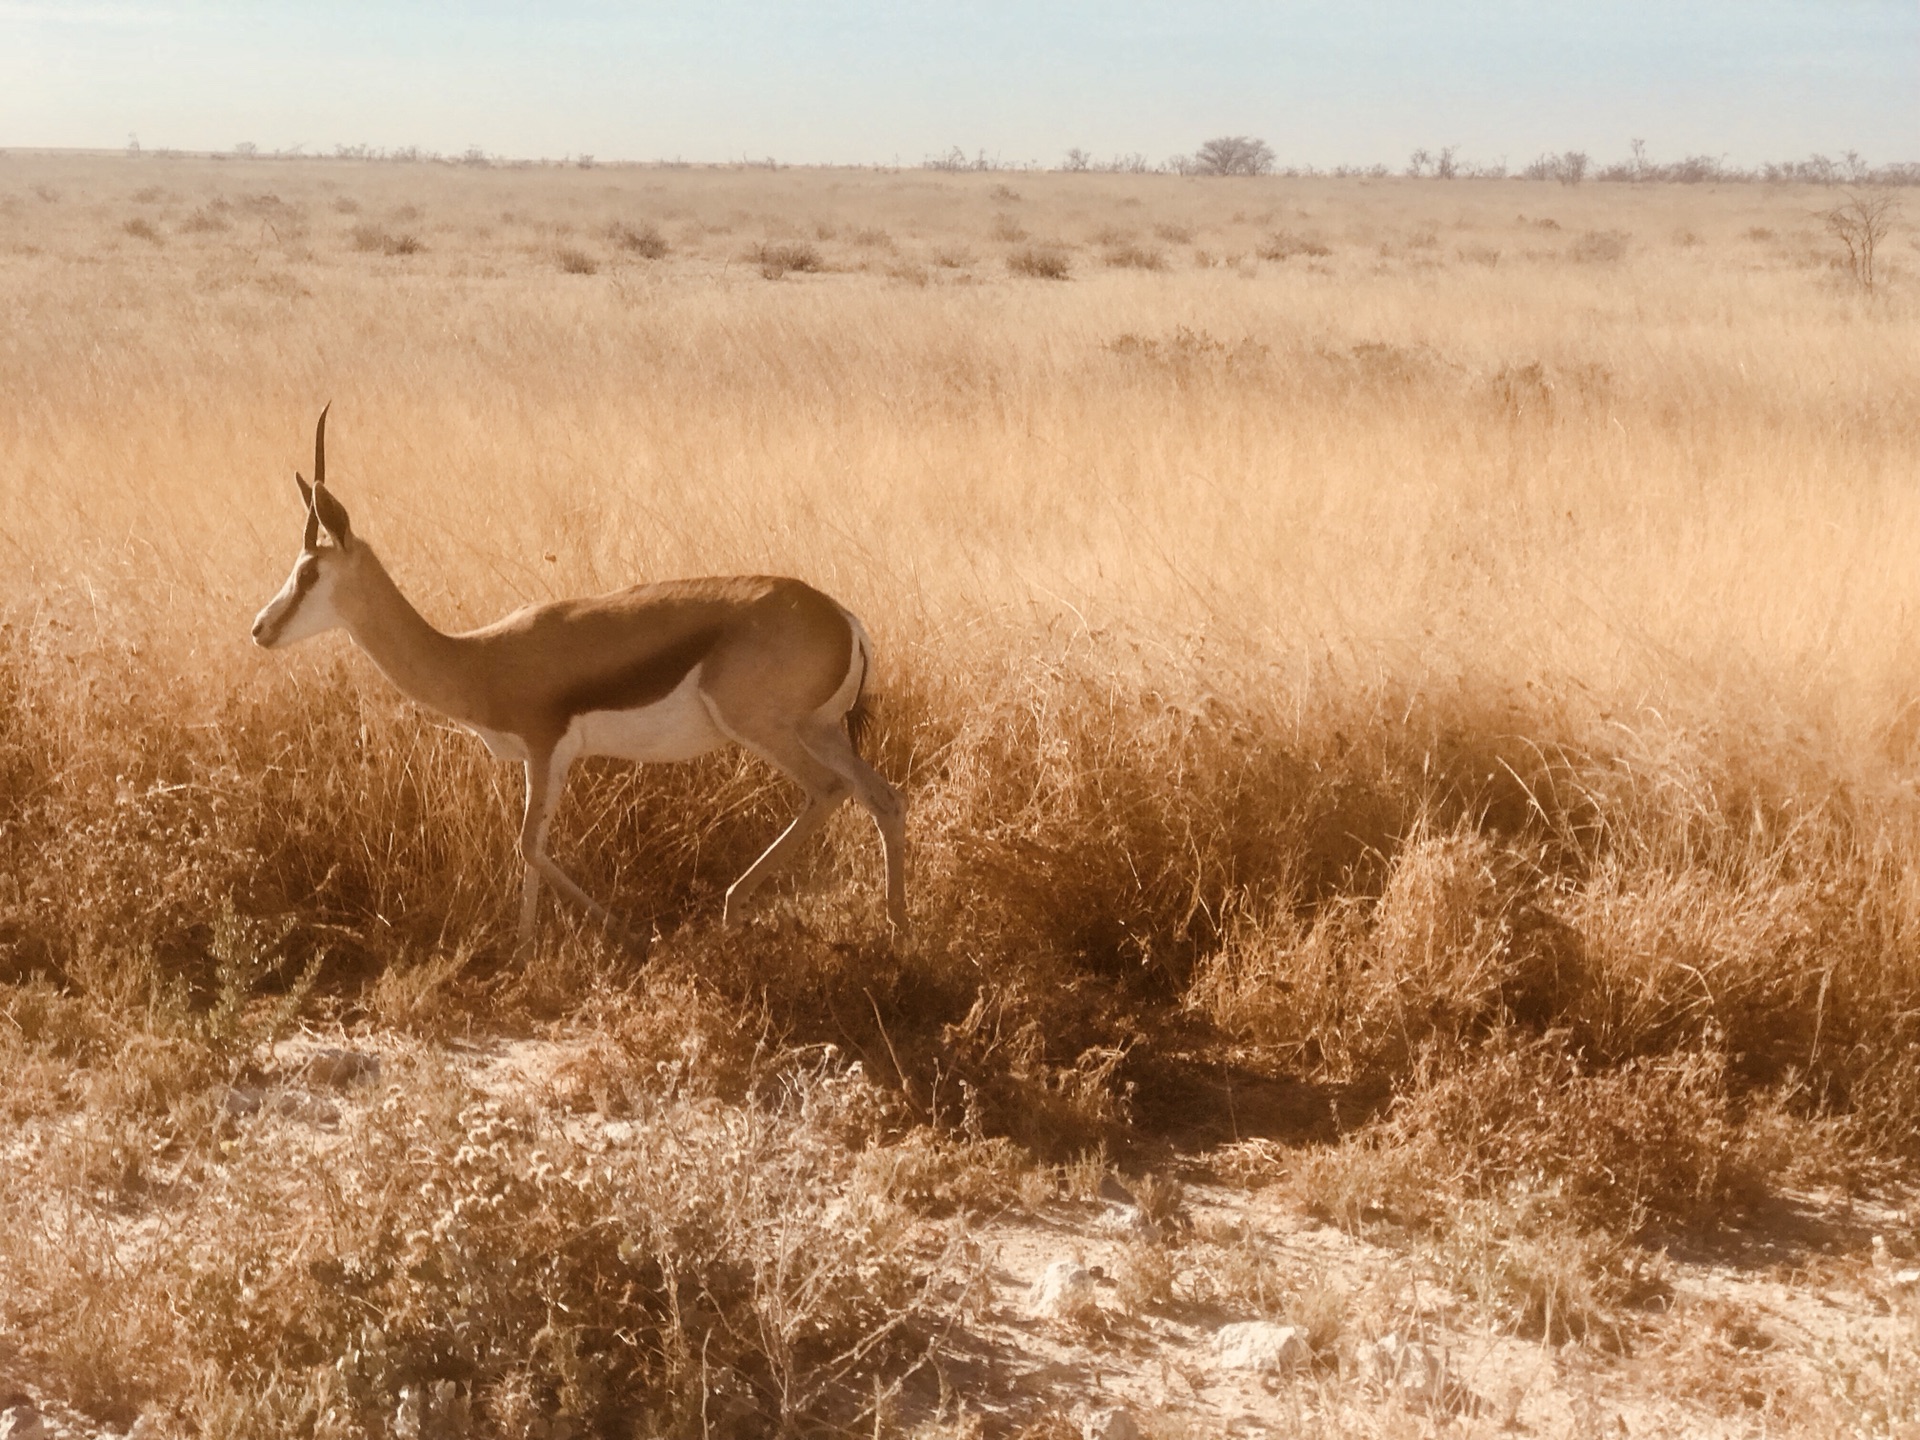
x: 860, y: 713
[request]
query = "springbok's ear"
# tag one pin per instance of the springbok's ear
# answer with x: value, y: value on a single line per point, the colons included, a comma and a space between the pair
x: 312, y: 537
x: 333, y: 515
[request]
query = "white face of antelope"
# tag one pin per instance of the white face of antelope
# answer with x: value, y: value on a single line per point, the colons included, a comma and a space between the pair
x: 307, y: 603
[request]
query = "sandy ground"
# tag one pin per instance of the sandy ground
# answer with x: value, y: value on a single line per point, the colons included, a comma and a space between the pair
x: 1809, y: 1326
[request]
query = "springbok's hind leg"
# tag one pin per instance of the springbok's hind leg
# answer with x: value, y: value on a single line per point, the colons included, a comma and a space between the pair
x: 529, y: 908
x: 819, y: 808
x: 832, y: 747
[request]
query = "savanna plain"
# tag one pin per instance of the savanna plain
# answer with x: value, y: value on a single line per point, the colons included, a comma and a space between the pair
x: 1406, y: 696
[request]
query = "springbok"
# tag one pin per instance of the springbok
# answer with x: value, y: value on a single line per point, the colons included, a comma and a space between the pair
x: 667, y: 671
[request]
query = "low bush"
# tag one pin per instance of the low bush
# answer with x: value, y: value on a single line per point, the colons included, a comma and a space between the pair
x: 377, y: 239
x: 1040, y: 262
x: 777, y: 260
x: 1599, y: 247
x: 1284, y: 245
x: 643, y: 240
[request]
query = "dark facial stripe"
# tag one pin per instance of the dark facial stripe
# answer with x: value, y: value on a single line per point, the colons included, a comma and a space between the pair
x: 643, y: 681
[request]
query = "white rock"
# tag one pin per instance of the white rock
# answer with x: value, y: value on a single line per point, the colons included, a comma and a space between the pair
x: 1066, y: 1290
x: 1108, y: 1424
x: 1261, y: 1345
x: 21, y: 1422
x: 406, y: 1417
x: 1906, y: 1279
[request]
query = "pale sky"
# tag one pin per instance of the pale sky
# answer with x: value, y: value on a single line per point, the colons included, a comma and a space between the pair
x: 856, y: 81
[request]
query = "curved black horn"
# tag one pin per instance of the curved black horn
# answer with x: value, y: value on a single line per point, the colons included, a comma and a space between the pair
x: 320, y: 447
x: 312, y: 537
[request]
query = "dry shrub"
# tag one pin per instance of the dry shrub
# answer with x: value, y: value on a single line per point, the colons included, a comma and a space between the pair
x: 1536, y: 1181
x: 1454, y: 947
x: 1194, y: 356
x: 1533, y: 1176
x: 1284, y: 245
x: 777, y: 260
x: 1235, y: 1267
x: 141, y: 228
x: 575, y: 262
x: 644, y: 240
x: 1031, y: 1073
x: 1144, y: 1275
x: 1040, y: 262
x: 1721, y: 1354
x: 377, y: 239
x: 1549, y: 1279
x: 1599, y: 247
x: 1134, y: 257
x: 1652, y: 1141
x: 465, y: 1258
x: 934, y: 1173
x: 206, y: 220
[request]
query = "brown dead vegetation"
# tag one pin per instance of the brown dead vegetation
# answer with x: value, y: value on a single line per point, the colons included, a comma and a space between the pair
x: 1401, y: 689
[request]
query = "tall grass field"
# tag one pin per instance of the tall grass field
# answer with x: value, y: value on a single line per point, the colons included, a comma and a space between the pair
x: 1409, y: 687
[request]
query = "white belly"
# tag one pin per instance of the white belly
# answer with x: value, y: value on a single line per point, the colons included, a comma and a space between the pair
x: 675, y: 727
x: 502, y: 745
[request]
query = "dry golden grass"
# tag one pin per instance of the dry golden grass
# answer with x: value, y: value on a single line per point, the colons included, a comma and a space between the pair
x: 1445, y: 642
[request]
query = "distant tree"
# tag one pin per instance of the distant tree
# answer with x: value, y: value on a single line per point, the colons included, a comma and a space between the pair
x: 1860, y: 224
x: 1234, y: 155
x: 1077, y: 159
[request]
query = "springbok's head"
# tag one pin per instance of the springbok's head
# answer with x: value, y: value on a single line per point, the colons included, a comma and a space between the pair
x: 308, y: 603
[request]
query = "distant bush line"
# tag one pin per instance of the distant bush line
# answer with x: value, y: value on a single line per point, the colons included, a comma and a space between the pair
x: 1223, y: 155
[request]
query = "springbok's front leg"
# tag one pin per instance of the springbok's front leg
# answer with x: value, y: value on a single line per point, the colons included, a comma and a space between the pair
x: 546, y: 777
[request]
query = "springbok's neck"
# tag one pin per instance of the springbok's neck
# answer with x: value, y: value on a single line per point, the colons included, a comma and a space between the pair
x: 422, y: 661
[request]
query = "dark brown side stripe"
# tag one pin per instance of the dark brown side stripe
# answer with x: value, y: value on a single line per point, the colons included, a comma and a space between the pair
x: 644, y: 681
